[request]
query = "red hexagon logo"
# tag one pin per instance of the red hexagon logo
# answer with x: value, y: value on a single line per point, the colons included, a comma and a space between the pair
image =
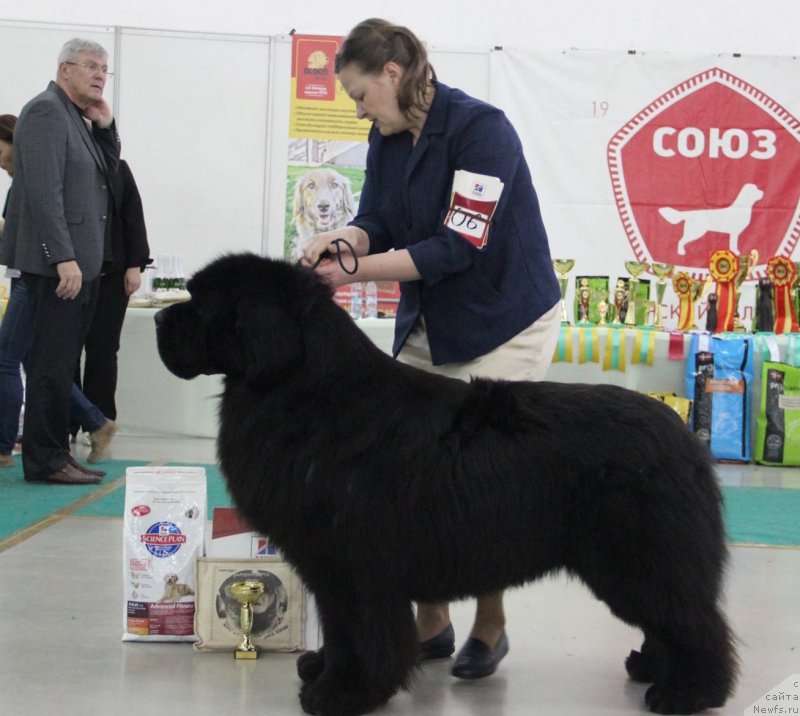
x: 713, y: 163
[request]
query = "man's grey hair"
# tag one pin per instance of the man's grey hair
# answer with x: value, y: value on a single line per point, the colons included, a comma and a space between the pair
x: 72, y: 48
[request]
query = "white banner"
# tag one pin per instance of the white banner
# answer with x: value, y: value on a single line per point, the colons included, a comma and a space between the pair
x: 659, y: 157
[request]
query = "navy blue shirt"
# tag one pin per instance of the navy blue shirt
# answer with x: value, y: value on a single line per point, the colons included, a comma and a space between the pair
x: 473, y: 300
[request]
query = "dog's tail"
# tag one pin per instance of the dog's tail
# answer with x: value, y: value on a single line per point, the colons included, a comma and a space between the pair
x: 673, y: 216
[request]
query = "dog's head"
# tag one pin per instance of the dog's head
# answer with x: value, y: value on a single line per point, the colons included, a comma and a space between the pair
x: 171, y: 579
x: 323, y: 200
x: 245, y: 319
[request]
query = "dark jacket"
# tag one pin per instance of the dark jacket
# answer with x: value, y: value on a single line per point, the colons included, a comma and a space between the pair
x: 129, y: 245
x: 473, y: 300
x: 59, y: 203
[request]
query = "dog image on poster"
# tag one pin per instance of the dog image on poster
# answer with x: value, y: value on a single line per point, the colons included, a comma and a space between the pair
x: 384, y: 485
x: 323, y: 201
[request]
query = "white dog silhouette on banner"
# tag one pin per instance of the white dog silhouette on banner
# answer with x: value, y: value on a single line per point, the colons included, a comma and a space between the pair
x: 731, y: 220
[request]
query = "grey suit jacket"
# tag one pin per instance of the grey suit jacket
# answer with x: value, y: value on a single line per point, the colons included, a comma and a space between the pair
x: 58, y: 207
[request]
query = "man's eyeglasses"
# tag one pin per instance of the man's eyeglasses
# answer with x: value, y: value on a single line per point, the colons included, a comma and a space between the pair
x: 91, y: 67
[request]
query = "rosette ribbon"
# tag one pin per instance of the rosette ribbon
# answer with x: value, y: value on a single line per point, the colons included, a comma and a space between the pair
x: 724, y: 267
x: 782, y: 273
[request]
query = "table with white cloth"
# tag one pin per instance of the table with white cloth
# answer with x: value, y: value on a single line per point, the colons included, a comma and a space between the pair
x: 152, y: 401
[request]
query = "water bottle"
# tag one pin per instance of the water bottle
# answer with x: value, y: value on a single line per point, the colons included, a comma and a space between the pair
x: 180, y: 277
x: 371, y: 300
x: 355, y: 300
x: 160, y: 281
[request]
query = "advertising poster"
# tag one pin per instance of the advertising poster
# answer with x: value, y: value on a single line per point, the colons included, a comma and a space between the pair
x: 326, y: 155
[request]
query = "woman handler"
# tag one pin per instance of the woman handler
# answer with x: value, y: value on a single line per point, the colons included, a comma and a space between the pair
x: 473, y: 303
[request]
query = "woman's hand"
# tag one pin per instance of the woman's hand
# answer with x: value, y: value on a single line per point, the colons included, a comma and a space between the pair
x: 328, y: 267
x: 323, y: 242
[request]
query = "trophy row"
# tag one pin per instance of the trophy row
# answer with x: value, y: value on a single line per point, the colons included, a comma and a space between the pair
x: 629, y: 304
x: 625, y: 305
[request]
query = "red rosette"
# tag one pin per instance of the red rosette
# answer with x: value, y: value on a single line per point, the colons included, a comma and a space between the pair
x: 723, y: 265
x: 682, y: 283
x: 781, y: 271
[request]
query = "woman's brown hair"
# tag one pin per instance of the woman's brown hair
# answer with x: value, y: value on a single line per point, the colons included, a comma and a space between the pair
x: 7, y: 123
x: 372, y: 43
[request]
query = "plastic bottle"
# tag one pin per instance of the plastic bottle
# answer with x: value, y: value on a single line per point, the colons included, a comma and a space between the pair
x: 356, y: 301
x: 180, y: 277
x: 371, y: 293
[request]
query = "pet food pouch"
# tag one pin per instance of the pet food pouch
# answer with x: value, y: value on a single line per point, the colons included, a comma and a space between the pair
x: 165, y: 516
x: 778, y: 424
x: 719, y: 374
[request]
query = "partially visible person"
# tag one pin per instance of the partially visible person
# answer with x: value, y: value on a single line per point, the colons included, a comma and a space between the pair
x: 15, y: 341
x: 123, y: 277
x: 466, y: 310
x: 56, y: 233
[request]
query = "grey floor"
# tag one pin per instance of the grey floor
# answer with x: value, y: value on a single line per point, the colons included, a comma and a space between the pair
x: 61, y: 623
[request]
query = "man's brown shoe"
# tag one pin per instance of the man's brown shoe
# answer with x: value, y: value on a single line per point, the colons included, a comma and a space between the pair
x: 6, y: 460
x: 72, y: 461
x: 101, y: 441
x: 72, y: 475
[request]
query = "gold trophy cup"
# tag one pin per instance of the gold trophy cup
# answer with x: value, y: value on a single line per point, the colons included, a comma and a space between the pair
x: 662, y: 272
x: 635, y: 269
x: 246, y: 593
x: 563, y: 267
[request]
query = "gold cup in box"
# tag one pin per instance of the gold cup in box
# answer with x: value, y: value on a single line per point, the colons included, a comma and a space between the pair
x: 635, y: 269
x: 563, y: 267
x: 661, y: 272
x: 246, y: 593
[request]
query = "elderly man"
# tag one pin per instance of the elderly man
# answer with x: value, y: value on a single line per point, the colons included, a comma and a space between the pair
x: 65, y: 149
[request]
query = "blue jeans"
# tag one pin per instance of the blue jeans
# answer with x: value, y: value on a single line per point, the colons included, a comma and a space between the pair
x: 15, y: 344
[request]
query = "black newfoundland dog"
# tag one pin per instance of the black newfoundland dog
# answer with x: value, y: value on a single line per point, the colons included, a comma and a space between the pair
x: 385, y: 485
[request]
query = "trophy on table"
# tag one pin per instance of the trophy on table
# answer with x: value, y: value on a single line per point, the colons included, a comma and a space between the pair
x: 662, y: 272
x: 563, y: 267
x: 246, y: 592
x: 619, y: 299
x: 635, y: 269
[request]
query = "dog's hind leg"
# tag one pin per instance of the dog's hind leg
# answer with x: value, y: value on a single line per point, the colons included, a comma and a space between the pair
x: 687, y: 654
x: 310, y: 665
x: 649, y: 663
x: 700, y: 666
x: 369, y: 653
x: 664, y: 576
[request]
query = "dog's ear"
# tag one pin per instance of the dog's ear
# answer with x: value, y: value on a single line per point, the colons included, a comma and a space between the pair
x: 348, y: 203
x: 273, y: 342
x: 298, y: 207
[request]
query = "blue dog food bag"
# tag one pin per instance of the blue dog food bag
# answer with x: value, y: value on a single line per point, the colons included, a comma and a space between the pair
x: 719, y: 374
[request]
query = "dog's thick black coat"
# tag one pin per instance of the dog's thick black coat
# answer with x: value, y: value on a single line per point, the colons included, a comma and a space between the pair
x: 384, y: 485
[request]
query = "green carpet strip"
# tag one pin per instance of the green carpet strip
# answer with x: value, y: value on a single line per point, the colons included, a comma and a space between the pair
x: 753, y: 515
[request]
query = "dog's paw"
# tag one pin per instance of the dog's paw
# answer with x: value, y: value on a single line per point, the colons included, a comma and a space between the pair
x: 324, y: 698
x: 661, y: 699
x: 642, y: 667
x: 310, y: 665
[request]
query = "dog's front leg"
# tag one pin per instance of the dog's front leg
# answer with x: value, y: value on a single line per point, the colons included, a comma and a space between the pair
x: 369, y: 653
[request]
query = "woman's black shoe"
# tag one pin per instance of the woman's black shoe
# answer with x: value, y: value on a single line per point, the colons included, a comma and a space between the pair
x: 476, y: 660
x: 440, y: 646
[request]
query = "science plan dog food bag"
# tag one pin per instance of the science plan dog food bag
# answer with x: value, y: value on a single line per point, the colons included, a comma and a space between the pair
x: 165, y: 517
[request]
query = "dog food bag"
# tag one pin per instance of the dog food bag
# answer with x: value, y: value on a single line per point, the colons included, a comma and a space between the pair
x: 164, y: 529
x: 719, y: 374
x: 778, y: 425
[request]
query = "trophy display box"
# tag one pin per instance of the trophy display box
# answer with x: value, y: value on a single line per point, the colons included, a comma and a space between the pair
x: 283, y: 615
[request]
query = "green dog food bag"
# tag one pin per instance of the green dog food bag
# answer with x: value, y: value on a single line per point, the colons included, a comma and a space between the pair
x: 778, y: 422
